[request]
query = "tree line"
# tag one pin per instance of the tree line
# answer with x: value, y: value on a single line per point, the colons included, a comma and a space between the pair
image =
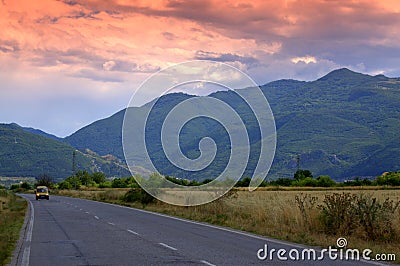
x: 301, y: 178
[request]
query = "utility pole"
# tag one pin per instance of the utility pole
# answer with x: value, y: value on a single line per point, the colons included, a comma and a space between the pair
x: 298, y: 162
x: 74, y: 166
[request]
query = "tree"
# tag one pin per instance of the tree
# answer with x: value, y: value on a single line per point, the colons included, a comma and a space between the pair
x: 389, y: 179
x: 286, y: 182
x: 65, y: 185
x: 26, y: 186
x: 302, y: 174
x: 325, y: 181
x: 245, y: 182
x: 99, y: 177
x: 84, y: 177
x: 45, y: 180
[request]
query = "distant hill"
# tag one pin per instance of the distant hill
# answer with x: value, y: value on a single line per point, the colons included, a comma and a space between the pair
x: 344, y: 124
x: 30, y: 154
x: 37, y: 132
x: 103, y: 136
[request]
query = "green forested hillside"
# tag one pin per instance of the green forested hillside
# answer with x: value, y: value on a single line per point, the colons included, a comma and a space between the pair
x: 344, y: 124
x: 26, y: 154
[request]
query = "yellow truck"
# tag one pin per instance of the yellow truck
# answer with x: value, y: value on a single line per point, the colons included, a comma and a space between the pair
x: 42, y: 192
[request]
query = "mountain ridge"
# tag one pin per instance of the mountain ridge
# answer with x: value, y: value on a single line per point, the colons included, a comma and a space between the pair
x: 343, y: 98
x: 342, y: 124
x: 30, y: 154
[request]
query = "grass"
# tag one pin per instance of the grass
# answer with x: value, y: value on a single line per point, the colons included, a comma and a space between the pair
x: 12, y: 214
x: 273, y: 213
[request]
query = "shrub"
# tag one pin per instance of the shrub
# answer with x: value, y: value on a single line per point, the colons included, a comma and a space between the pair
x: 325, y: 181
x: 305, y: 182
x: 306, y: 203
x: 301, y: 174
x: 106, y: 184
x: 26, y: 186
x: 375, y: 217
x: 345, y: 213
x: 138, y: 195
x: 65, y: 185
x: 15, y: 186
x: 337, y: 213
x: 282, y: 182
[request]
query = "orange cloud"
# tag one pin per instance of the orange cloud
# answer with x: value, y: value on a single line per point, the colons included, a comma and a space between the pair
x: 92, y: 49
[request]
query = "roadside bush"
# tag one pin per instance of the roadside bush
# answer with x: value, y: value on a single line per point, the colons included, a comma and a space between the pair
x: 64, y: 185
x: 106, y: 184
x: 337, y: 213
x: 26, y: 186
x: 306, y: 204
x: 347, y: 213
x: 305, y: 182
x: 138, y: 195
x: 15, y: 186
x: 376, y: 218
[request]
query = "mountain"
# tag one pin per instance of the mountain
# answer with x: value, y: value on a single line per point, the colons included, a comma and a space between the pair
x: 29, y: 154
x: 103, y: 136
x: 37, y: 132
x: 344, y: 124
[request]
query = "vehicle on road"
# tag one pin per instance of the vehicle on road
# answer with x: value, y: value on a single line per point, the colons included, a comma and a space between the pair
x: 42, y: 192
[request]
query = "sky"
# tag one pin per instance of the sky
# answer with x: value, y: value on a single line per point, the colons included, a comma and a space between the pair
x: 67, y: 63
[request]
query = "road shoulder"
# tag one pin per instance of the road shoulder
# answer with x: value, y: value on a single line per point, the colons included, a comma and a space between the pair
x: 17, y: 255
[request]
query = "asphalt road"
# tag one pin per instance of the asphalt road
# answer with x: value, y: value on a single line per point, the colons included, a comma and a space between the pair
x: 70, y: 231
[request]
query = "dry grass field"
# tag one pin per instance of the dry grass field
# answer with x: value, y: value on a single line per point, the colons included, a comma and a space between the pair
x: 298, y: 215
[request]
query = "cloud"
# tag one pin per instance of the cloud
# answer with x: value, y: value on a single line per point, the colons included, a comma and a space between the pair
x: 100, y: 46
x: 305, y: 59
x: 9, y: 46
x: 109, y: 65
x: 169, y: 36
x: 225, y: 57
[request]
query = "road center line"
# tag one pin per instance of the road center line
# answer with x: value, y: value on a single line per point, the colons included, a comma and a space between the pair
x: 133, y: 232
x: 165, y: 245
x: 96, y: 217
x: 207, y: 263
x: 87, y: 212
x: 110, y: 223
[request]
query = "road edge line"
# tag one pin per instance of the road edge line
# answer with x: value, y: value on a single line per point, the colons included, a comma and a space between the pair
x: 18, y: 253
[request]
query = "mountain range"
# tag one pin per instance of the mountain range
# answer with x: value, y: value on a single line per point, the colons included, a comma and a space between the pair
x: 27, y: 152
x: 344, y: 124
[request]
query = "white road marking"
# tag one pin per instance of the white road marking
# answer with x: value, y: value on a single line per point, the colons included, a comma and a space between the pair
x: 165, y: 245
x: 271, y: 240
x: 80, y: 209
x: 207, y: 263
x: 25, y: 256
x: 87, y: 212
x: 110, y: 223
x: 31, y: 221
x: 27, y: 250
x: 133, y: 232
x: 96, y: 217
